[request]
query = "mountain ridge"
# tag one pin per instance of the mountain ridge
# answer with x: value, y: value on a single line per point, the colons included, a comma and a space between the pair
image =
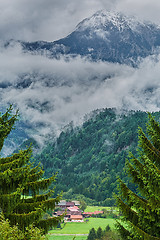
x: 107, y: 36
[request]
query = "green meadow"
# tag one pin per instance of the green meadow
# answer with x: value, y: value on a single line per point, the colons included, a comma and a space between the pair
x: 75, y: 228
x: 80, y: 228
x: 67, y: 237
x: 98, y: 208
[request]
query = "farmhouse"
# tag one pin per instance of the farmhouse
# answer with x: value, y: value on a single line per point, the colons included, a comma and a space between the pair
x: 72, y: 212
x: 63, y: 204
x: 76, y: 218
x: 76, y: 203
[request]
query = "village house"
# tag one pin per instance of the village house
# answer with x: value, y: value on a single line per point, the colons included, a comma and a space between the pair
x: 76, y: 218
x: 64, y: 204
x: 72, y: 211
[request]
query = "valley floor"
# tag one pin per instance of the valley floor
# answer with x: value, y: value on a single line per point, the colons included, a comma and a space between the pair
x: 67, y: 237
x: 80, y: 230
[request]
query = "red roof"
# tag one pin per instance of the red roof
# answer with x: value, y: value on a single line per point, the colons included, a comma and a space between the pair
x: 76, y: 217
x: 75, y: 208
x: 98, y: 212
x: 88, y: 213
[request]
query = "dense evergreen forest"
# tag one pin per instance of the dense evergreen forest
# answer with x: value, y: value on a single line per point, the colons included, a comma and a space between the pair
x: 89, y: 158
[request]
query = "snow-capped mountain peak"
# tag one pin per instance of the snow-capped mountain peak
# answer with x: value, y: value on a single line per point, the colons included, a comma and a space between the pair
x: 107, y: 36
x: 103, y: 18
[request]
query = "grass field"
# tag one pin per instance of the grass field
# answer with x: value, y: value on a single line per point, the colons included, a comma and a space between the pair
x: 67, y: 237
x: 99, y: 208
x: 83, y: 228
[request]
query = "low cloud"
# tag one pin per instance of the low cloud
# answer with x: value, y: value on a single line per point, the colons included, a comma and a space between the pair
x: 44, y: 19
x: 50, y: 93
x: 144, y: 9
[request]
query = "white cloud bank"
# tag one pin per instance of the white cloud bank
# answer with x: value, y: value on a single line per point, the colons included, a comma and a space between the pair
x: 56, y: 92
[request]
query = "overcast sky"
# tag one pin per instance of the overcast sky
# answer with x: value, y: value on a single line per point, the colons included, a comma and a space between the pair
x: 52, y: 19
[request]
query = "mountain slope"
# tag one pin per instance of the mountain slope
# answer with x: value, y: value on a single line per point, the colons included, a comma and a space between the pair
x: 88, y: 159
x: 107, y: 36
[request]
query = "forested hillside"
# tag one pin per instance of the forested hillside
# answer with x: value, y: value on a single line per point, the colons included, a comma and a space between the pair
x: 89, y: 158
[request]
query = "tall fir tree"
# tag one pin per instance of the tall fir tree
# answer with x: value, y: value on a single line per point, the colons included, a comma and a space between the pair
x: 99, y: 233
x: 141, y: 211
x: 92, y: 234
x: 19, y: 179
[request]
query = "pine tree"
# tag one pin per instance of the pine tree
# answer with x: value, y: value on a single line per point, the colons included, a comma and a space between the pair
x: 18, y: 179
x: 107, y: 228
x: 99, y: 233
x: 141, y: 211
x: 92, y: 234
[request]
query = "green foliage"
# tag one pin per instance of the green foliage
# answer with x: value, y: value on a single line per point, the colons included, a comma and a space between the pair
x: 111, y: 235
x: 107, y: 228
x: 14, y: 233
x: 83, y: 205
x: 18, y: 179
x: 92, y: 234
x: 100, y: 233
x: 141, y: 210
x: 89, y: 158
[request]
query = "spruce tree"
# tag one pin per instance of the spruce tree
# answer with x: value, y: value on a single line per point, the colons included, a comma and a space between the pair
x: 19, y: 179
x: 92, y: 234
x: 99, y: 233
x: 141, y: 210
